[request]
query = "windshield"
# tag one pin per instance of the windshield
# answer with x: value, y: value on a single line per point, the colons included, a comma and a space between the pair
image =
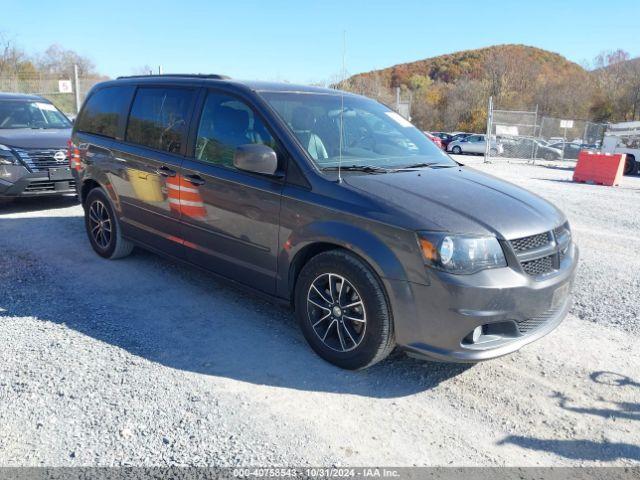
x: 372, y: 136
x: 29, y: 114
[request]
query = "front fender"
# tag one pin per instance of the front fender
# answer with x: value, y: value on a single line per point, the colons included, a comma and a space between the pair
x: 372, y: 249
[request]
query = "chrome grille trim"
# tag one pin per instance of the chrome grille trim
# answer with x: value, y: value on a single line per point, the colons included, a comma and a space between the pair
x: 41, y: 159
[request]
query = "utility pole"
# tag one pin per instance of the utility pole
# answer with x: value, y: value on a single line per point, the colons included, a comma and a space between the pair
x: 76, y: 87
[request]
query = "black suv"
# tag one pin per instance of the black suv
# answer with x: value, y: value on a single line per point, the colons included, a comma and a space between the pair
x: 33, y: 147
x: 329, y: 201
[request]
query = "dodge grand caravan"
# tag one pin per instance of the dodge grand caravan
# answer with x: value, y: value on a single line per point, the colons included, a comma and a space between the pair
x: 329, y: 201
x: 33, y: 147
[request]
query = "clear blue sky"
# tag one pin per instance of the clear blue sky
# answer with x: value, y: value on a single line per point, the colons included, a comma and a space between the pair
x: 301, y: 41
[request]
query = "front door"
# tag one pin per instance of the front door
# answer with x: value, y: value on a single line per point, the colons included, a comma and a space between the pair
x: 230, y: 217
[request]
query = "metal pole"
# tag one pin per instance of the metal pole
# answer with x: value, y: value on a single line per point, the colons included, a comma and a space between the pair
x: 487, y: 143
x: 159, y: 69
x: 584, y: 134
x: 76, y: 87
x: 534, y: 150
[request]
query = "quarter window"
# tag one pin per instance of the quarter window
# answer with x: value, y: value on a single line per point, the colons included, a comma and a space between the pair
x: 103, y: 111
x: 159, y: 118
x: 225, y: 124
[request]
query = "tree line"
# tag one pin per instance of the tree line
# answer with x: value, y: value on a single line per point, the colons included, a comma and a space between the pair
x: 451, y: 92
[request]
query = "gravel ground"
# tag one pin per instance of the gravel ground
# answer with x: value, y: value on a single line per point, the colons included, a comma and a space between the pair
x: 145, y: 362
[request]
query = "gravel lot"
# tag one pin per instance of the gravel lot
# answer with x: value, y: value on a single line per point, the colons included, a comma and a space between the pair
x: 145, y: 362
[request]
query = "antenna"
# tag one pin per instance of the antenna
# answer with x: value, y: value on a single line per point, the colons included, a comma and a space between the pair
x: 344, y: 49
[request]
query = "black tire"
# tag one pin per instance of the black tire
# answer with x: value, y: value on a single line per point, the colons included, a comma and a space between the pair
x: 548, y: 156
x: 630, y: 165
x: 114, y: 246
x: 456, y: 150
x: 369, y: 342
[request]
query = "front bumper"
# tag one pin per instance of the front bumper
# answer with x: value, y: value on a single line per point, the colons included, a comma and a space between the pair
x: 436, y: 321
x: 21, y: 183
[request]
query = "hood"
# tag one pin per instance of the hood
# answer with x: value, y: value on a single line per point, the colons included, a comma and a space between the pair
x: 35, y: 138
x: 460, y: 200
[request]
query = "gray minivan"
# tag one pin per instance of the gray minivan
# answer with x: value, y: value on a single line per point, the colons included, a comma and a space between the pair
x: 329, y: 201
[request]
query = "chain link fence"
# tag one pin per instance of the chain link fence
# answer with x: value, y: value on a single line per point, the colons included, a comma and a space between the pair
x: 528, y: 136
x: 59, y: 89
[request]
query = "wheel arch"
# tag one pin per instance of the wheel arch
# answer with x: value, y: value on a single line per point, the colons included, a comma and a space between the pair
x: 87, y: 185
x: 326, y: 236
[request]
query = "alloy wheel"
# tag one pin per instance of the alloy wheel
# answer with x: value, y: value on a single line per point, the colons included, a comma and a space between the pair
x: 100, y: 225
x: 336, y: 312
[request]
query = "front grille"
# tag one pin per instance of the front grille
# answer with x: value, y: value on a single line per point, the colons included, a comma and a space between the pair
x: 533, y: 323
x: 539, y: 266
x: 531, y: 242
x: 41, y: 160
x: 537, y: 254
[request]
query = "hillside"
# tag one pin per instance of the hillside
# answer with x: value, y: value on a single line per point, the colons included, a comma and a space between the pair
x: 472, y: 64
x: 450, y: 92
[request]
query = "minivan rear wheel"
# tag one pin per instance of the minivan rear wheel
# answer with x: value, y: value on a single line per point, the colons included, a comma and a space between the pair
x: 103, y: 228
x: 343, y: 311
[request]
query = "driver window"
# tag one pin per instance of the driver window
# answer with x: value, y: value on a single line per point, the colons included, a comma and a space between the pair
x: 225, y: 124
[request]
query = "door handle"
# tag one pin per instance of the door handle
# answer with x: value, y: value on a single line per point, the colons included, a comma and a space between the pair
x: 165, y: 171
x: 195, y: 179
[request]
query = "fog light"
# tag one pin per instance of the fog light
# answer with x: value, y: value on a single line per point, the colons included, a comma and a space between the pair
x: 477, y: 333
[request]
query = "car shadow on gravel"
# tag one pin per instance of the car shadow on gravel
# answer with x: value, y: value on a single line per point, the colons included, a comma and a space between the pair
x: 33, y: 204
x: 180, y: 317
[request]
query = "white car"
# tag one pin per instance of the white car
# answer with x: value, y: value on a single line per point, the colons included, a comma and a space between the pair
x: 475, y: 144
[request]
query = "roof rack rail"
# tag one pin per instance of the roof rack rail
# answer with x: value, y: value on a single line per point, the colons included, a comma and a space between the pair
x: 213, y: 76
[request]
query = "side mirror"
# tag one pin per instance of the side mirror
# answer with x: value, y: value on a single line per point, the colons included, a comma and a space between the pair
x: 256, y: 158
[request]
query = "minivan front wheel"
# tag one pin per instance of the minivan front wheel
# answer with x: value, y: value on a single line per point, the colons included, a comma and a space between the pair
x: 103, y: 228
x: 343, y: 311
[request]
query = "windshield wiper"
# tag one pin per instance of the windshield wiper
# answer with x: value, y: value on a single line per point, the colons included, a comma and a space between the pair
x: 358, y: 168
x: 426, y: 164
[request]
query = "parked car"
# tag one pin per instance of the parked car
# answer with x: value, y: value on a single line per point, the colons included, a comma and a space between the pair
x: 476, y: 144
x: 33, y: 147
x: 328, y: 201
x: 522, y: 147
x: 568, y: 150
x: 458, y: 136
x: 434, y: 139
x: 444, y: 137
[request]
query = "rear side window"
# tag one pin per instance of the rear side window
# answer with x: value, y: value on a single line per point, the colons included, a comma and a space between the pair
x: 104, y: 111
x: 159, y: 117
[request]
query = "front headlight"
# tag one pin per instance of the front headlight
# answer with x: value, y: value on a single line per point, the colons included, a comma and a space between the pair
x: 460, y: 254
x: 7, y: 157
